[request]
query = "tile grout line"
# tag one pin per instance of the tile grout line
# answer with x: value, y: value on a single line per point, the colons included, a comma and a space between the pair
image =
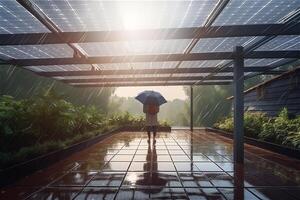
x: 182, y: 186
x: 198, y: 168
x: 47, y: 185
x: 101, y: 170
x: 118, y: 190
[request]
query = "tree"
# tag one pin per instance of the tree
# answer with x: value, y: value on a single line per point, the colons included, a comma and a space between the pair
x: 210, y: 104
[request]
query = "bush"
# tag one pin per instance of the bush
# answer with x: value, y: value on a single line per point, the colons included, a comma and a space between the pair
x: 280, y: 130
x: 47, y: 122
x: 252, y: 124
x: 125, y: 119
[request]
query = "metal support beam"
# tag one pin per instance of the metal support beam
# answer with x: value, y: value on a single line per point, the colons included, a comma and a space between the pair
x: 149, y: 84
x: 152, y: 58
x: 289, y: 22
x: 140, y: 79
x: 208, y: 22
x: 135, y: 72
x: 238, y: 86
x: 44, y: 19
x: 151, y: 34
x: 191, y: 109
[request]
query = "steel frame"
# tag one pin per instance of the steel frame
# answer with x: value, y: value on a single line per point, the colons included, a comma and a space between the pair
x: 290, y: 26
x: 152, y: 34
x: 152, y: 58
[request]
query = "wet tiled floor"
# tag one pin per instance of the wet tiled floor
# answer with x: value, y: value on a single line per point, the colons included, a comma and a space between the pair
x: 177, y: 165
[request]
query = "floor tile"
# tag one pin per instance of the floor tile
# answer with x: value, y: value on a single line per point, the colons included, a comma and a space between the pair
x: 63, y: 193
x: 126, y: 166
x: 74, y: 179
x: 116, y: 166
x: 107, y: 179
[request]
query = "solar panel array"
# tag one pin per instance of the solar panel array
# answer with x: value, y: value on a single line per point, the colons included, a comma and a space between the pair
x: 100, y: 15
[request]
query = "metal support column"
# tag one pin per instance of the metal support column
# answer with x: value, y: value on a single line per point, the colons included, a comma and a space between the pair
x: 238, y: 87
x: 191, y: 111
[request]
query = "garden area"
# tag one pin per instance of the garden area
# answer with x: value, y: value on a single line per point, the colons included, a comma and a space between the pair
x: 47, y: 122
x: 283, y: 129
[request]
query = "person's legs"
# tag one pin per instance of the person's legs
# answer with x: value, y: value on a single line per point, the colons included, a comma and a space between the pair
x: 154, y: 133
x: 148, y: 131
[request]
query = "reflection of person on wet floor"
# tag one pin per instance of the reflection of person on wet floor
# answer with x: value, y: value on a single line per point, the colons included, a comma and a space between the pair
x: 151, y: 111
x: 151, y: 175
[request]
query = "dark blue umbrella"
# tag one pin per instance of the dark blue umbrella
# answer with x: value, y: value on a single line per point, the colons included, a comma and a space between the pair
x: 151, y: 97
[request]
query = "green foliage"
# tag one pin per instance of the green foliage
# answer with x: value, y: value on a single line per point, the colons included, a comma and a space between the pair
x: 125, y: 119
x: 225, y: 124
x: 210, y: 104
x: 47, y: 122
x: 280, y: 130
x: 21, y: 83
x: 252, y: 123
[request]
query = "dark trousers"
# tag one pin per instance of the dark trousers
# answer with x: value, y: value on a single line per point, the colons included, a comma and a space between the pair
x: 153, y: 129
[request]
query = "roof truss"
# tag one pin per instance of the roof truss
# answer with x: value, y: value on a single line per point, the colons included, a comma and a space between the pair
x: 289, y: 25
x: 153, y: 34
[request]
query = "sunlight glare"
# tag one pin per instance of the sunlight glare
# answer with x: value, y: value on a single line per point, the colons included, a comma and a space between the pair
x: 137, y: 16
x: 132, y: 178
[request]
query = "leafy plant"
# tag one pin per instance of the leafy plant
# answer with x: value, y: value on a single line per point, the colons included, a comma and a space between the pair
x: 280, y: 130
x: 47, y: 122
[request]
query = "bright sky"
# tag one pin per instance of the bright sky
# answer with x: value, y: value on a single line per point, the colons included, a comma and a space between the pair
x: 169, y: 92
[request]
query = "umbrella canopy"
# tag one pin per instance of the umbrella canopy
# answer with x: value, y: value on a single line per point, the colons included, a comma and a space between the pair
x: 151, y: 97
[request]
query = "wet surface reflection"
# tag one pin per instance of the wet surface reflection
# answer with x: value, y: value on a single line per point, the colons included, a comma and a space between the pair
x: 177, y: 165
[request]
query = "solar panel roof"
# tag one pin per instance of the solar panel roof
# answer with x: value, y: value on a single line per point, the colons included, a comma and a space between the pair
x: 16, y: 19
x: 74, y: 15
x: 44, y: 16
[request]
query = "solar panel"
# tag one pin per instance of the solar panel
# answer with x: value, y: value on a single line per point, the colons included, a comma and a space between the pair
x: 113, y: 66
x: 261, y: 62
x: 135, y: 47
x: 199, y: 64
x: 101, y: 15
x: 116, y: 75
x: 15, y: 19
x: 255, y: 11
x: 70, y: 15
x: 147, y: 65
x: 37, y: 51
x: 59, y: 68
x: 222, y: 44
x: 287, y: 42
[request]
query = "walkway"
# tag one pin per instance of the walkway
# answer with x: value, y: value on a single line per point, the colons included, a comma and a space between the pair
x: 125, y: 166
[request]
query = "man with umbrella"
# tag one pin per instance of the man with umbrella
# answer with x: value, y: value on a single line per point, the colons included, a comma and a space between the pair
x: 151, y: 100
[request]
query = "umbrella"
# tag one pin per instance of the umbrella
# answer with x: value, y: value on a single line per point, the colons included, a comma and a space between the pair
x: 151, y: 97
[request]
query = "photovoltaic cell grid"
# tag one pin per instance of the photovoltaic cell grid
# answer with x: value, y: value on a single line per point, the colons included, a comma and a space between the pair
x: 153, y: 65
x: 87, y: 15
x: 291, y: 42
x: 256, y: 12
x: 135, y: 48
x: 109, y: 66
x: 15, y: 19
x: 37, y: 51
x: 178, y: 165
x: 83, y: 15
x: 223, y: 44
